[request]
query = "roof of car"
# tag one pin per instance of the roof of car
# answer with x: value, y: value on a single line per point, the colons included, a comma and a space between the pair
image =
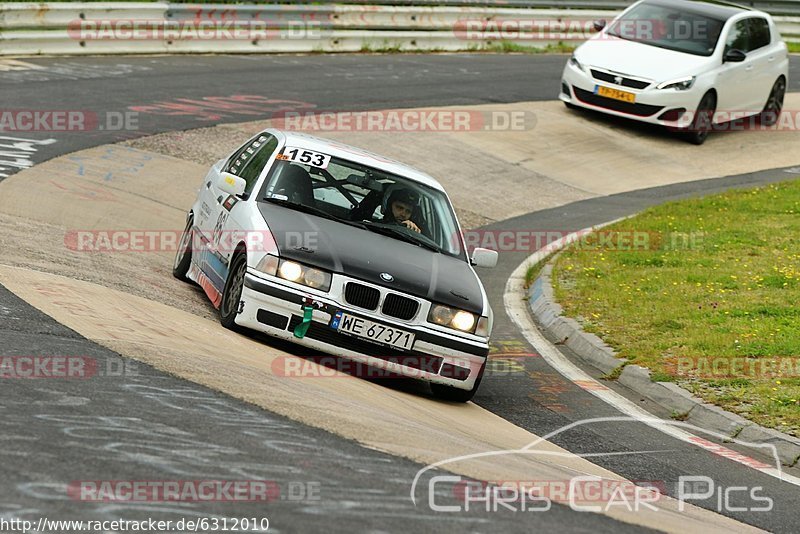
x: 712, y: 8
x: 357, y: 155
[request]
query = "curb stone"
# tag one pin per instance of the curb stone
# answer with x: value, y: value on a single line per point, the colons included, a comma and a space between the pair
x: 591, y: 349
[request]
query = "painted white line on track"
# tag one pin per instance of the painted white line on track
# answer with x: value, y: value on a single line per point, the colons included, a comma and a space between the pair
x: 516, y: 308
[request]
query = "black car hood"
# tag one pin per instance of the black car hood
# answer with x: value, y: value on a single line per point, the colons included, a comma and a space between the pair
x: 359, y: 253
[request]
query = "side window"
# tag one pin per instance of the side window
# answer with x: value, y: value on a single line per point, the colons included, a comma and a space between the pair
x: 738, y: 38
x: 759, y: 33
x: 249, y: 161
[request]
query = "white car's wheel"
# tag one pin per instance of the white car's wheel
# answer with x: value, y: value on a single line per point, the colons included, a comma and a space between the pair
x: 774, y: 105
x: 183, y: 257
x: 703, y: 120
x: 232, y: 294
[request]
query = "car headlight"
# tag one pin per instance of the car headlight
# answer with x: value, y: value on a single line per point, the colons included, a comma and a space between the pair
x: 681, y: 84
x: 289, y: 270
x: 575, y: 63
x: 295, y: 272
x: 268, y: 265
x: 452, y: 317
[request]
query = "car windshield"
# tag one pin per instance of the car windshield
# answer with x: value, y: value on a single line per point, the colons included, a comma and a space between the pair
x: 377, y: 201
x: 669, y: 27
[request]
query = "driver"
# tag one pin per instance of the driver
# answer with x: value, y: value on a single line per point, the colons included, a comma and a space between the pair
x: 400, y: 208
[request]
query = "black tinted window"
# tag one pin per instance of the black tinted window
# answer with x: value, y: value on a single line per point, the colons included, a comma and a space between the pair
x: 759, y: 33
x: 738, y: 38
x: 249, y: 161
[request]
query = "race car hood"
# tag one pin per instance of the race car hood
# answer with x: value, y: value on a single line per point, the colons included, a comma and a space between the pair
x: 640, y: 60
x: 342, y: 248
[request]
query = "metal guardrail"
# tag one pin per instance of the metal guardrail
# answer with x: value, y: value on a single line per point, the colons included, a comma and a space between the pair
x: 774, y: 7
x: 56, y: 28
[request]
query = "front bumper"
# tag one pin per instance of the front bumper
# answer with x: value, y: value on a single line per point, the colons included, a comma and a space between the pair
x: 654, y: 106
x: 275, y: 308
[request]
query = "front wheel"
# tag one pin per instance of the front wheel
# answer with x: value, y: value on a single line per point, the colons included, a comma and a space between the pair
x: 774, y: 106
x: 703, y: 120
x: 232, y: 294
x: 449, y: 393
x: 183, y: 257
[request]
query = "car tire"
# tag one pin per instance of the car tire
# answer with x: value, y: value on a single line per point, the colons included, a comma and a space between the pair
x: 183, y: 257
x: 232, y: 294
x: 451, y: 394
x: 703, y: 120
x: 772, y: 109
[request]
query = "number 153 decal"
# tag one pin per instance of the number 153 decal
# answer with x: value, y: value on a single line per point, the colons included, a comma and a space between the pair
x: 307, y: 157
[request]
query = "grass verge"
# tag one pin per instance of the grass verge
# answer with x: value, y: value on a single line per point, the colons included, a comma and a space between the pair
x: 703, y: 292
x: 512, y: 47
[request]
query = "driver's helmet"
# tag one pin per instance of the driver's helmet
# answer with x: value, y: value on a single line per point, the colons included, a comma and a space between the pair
x: 402, y: 194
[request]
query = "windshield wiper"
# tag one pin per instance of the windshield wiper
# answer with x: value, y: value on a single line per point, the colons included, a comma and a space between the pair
x: 397, y: 233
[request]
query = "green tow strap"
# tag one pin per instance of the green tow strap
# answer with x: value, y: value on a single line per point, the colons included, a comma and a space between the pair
x: 301, y: 329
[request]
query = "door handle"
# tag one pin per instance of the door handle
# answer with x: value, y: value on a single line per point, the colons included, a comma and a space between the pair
x: 748, y: 68
x: 771, y: 59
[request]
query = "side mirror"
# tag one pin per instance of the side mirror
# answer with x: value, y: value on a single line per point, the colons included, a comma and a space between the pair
x: 233, y: 185
x: 599, y: 24
x: 483, y: 257
x: 734, y: 56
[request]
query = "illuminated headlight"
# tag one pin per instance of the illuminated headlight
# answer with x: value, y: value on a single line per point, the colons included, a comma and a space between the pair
x: 575, y: 63
x: 295, y: 272
x: 453, y: 318
x: 681, y: 84
x: 291, y: 271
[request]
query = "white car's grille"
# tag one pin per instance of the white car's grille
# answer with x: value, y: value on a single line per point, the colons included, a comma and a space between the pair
x: 619, y: 79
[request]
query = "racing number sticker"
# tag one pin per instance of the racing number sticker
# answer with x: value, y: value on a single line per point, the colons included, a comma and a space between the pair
x: 216, y: 235
x: 306, y: 157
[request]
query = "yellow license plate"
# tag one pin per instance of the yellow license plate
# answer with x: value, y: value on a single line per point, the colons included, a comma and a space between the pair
x: 616, y: 94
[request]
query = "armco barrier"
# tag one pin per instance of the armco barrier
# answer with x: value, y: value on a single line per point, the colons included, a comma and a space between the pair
x: 50, y: 28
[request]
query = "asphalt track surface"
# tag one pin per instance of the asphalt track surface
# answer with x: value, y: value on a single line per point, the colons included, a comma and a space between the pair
x: 153, y: 426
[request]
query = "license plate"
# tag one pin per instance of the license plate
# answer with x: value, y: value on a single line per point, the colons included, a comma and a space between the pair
x: 372, y: 331
x: 616, y: 94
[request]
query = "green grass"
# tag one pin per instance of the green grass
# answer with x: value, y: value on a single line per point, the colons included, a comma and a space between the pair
x: 512, y: 47
x: 794, y: 48
x: 716, y: 278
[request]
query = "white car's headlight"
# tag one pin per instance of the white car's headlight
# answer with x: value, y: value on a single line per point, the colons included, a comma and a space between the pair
x: 295, y: 272
x: 452, y: 318
x: 680, y: 84
x: 575, y: 63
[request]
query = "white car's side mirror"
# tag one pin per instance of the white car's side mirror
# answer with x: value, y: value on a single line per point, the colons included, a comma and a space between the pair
x: 233, y: 185
x: 483, y: 257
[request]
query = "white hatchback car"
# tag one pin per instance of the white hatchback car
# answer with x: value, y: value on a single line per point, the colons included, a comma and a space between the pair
x: 343, y: 251
x: 684, y: 64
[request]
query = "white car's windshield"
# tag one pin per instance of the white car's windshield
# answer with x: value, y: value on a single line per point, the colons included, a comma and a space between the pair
x: 381, y: 202
x: 670, y: 28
